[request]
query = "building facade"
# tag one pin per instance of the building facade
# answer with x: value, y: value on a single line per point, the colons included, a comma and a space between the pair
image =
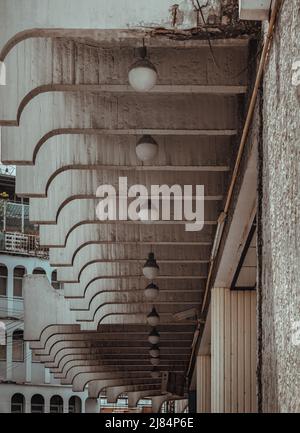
x: 25, y: 384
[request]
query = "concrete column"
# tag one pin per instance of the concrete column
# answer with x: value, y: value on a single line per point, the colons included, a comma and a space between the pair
x: 157, y: 403
x: 233, y: 351
x: 47, y: 405
x: 47, y: 375
x: 91, y: 405
x: 28, y: 362
x: 27, y: 404
x: 66, y: 405
x: 9, y: 357
x: 82, y: 405
x: 203, y: 384
x: 10, y: 291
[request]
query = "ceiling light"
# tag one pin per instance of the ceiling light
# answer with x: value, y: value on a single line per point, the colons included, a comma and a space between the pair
x: 142, y: 74
x: 191, y: 313
x: 153, y: 317
x: 155, y: 361
x: 154, y: 351
x: 151, y: 268
x: 154, y: 336
x: 151, y: 291
x: 146, y: 148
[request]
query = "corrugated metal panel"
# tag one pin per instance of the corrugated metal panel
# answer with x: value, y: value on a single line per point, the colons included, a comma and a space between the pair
x: 233, y: 345
x: 203, y: 384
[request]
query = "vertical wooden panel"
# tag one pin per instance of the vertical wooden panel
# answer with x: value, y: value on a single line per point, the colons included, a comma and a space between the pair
x: 203, y: 384
x: 227, y: 353
x: 233, y: 345
x: 213, y: 354
x: 241, y: 356
x: 247, y: 351
x: 217, y: 355
x: 253, y: 352
x: 234, y: 360
x: 221, y: 350
x: 208, y: 384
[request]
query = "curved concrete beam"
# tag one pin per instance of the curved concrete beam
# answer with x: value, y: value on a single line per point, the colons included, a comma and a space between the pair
x: 100, y: 271
x: 158, y: 401
x: 81, y: 213
x: 43, y: 64
x: 94, y: 253
x: 115, y: 152
x: 96, y: 387
x: 75, y: 366
x: 70, y: 15
x: 134, y: 285
x: 89, y: 234
x: 135, y: 396
x: 82, y: 379
x: 113, y: 393
x: 55, y: 338
x: 69, y: 357
x: 74, y: 183
x: 90, y: 303
x: 212, y: 115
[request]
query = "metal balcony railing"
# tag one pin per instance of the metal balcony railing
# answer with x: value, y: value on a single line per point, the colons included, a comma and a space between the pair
x: 22, y: 243
x: 14, y: 217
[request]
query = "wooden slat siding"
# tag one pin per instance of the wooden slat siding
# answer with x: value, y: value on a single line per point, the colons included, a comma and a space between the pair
x: 215, y: 351
x: 241, y: 357
x: 221, y: 349
x: 247, y: 352
x: 214, y: 354
x: 203, y: 384
x: 253, y: 352
x: 227, y: 352
x: 208, y: 384
x: 212, y: 350
x: 233, y: 351
x: 234, y: 357
x: 199, y: 385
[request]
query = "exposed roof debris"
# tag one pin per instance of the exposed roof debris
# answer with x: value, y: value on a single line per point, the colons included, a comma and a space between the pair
x: 215, y: 19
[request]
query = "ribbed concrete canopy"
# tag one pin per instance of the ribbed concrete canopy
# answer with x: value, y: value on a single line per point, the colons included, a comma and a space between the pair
x: 71, y: 124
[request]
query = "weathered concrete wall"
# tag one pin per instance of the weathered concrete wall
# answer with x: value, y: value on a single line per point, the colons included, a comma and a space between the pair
x: 280, y: 301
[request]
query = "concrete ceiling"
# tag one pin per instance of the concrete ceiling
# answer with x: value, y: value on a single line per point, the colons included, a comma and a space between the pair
x: 70, y: 124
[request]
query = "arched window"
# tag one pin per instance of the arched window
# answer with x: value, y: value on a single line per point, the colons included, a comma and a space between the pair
x: 75, y: 404
x: 37, y: 404
x: 55, y: 284
x: 56, y: 404
x: 19, y: 273
x: 39, y: 271
x: 3, y: 280
x: 18, y: 346
x: 2, y: 341
x: 17, y: 403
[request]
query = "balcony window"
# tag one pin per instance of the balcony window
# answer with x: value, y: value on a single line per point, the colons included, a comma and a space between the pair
x: 37, y: 404
x: 55, y: 284
x: 2, y: 341
x: 74, y: 404
x: 19, y: 273
x: 17, y: 403
x: 56, y: 404
x: 18, y: 346
x: 3, y: 280
x: 39, y: 271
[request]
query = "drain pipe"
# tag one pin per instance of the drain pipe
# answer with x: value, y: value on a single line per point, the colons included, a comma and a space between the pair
x: 223, y: 215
